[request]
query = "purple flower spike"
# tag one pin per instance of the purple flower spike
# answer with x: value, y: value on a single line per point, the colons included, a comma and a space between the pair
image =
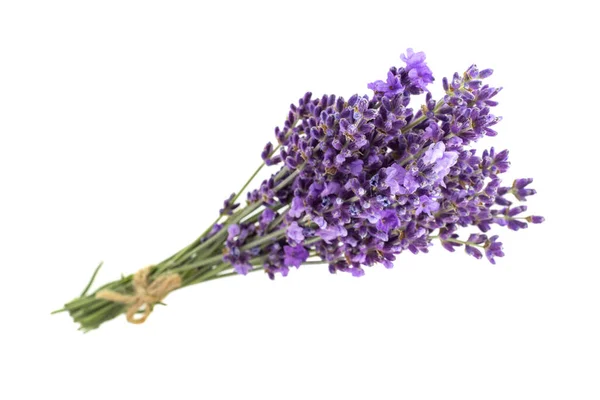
x: 493, y: 249
x: 485, y: 73
x: 233, y: 231
x: 320, y: 221
x: 418, y: 72
x: 229, y: 206
x: 267, y: 216
x: 473, y: 251
x: 331, y: 188
x: 356, y: 167
x: 434, y: 153
x: 388, y: 220
x: 242, y: 268
x: 265, y: 219
x: 427, y: 205
x: 442, y: 161
x: 520, y: 191
x: 521, y: 183
x: 389, y: 88
x: 294, y: 256
x: 399, y: 181
x: 295, y: 233
x: 376, y: 176
x: 297, y: 208
x: 535, y: 219
x: 332, y: 232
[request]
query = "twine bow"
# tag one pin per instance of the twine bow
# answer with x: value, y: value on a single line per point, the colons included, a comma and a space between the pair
x: 146, y: 294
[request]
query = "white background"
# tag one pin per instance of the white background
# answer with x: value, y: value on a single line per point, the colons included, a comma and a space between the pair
x: 123, y: 126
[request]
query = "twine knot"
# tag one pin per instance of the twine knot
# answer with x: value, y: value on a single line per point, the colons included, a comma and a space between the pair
x: 146, y: 294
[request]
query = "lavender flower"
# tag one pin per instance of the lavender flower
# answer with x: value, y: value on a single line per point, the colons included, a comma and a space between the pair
x: 239, y: 259
x: 294, y: 256
x: 388, y: 220
x: 442, y: 161
x: 229, y: 205
x: 363, y: 179
x: 332, y: 232
x: 377, y: 178
x: 389, y: 88
x: 427, y: 205
x: 295, y: 233
x: 493, y: 249
x: 419, y: 73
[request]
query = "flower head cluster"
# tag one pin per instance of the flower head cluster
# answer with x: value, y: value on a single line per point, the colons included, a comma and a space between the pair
x: 364, y: 179
x: 358, y: 181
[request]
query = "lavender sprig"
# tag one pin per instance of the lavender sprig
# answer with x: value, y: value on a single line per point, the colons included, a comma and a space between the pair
x: 359, y: 181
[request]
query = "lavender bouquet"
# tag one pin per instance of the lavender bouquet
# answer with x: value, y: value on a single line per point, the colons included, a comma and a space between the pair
x: 358, y: 182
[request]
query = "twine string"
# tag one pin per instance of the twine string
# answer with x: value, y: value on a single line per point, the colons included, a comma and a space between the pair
x: 146, y: 294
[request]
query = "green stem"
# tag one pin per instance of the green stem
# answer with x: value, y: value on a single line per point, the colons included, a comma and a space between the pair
x: 185, y: 251
x: 287, y: 180
x: 195, y: 263
x: 216, y: 238
x: 280, y: 218
x: 260, y: 268
x: 91, y: 280
x: 281, y: 172
x: 422, y: 118
x: 204, y: 275
x: 253, y: 176
x: 255, y: 217
x: 315, y: 262
x: 451, y: 240
x: 312, y: 240
x: 264, y: 239
x: 200, y: 263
